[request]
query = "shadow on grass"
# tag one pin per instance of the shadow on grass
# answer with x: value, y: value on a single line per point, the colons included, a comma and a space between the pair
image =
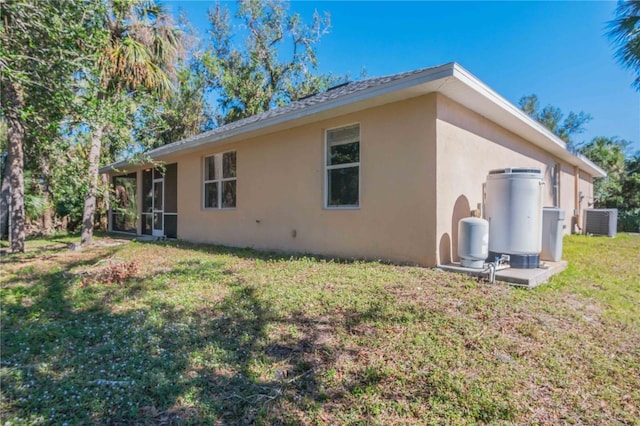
x: 70, y: 354
x: 159, y: 364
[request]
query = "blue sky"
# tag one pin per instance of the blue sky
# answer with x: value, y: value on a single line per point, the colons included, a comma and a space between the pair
x: 557, y: 50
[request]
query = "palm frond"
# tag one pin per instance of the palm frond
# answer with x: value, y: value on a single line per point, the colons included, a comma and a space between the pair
x: 144, y: 47
x: 624, y: 32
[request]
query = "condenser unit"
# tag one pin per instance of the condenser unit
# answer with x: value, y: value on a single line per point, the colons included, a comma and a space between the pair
x: 601, y: 221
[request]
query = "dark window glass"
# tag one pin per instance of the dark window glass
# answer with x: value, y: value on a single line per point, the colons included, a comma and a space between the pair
x: 229, y: 193
x: 343, y: 187
x: 344, y: 153
x: 210, y: 168
x: 171, y: 225
x: 229, y: 165
x: 220, y: 185
x: 171, y: 189
x: 211, y: 195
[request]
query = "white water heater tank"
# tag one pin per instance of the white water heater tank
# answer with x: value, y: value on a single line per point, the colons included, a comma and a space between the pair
x: 513, y: 207
x: 473, y: 242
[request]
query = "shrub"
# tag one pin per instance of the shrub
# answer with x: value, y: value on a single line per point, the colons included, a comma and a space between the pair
x: 629, y: 220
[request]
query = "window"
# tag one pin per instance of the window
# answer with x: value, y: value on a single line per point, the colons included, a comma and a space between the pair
x: 342, y: 167
x: 220, y: 181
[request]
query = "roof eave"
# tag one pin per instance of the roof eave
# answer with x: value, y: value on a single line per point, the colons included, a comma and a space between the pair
x: 517, y: 121
x: 449, y: 79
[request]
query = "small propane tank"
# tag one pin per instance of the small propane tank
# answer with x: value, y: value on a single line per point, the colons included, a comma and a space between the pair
x: 473, y: 242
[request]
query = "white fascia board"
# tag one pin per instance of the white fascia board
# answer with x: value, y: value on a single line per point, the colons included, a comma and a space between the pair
x: 496, y: 108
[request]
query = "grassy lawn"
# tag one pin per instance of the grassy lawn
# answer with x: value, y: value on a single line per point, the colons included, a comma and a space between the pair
x: 174, y: 333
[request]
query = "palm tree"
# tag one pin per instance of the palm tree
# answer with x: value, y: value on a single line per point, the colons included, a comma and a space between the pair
x: 140, y: 50
x: 625, y: 33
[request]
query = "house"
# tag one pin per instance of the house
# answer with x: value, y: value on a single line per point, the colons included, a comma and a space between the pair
x: 380, y: 169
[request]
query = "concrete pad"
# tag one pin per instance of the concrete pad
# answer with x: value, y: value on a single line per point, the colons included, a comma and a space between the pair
x: 529, y: 278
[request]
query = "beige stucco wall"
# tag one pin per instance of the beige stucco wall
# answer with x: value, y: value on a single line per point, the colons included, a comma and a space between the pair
x: 468, y: 147
x: 585, y: 199
x: 280, y: 189
x: 413, y: 192
x: 586, y: 188
x: 567, y: 192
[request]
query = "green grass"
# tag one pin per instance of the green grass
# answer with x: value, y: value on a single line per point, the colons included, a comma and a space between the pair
x: 203, y: 334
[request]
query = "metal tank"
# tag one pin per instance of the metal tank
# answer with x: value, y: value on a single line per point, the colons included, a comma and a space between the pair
x: 473, y: 242
x: 513, y: 207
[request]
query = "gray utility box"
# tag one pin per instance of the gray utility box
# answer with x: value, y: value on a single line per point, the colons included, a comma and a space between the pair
x: 552, y: 227
x: 601, y: 222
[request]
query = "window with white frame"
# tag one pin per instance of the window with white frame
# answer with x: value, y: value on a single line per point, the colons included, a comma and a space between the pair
x: 342, y: 167
x: 220, y: 181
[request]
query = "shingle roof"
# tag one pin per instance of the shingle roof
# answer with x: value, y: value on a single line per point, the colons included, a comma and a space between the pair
x: 307, y: 102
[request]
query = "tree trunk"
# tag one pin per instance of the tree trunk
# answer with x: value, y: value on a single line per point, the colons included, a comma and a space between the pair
x: 90, y: 202
x: 13, y: 101
x: 5, y: 202
x: 48, y: 215
x: 103, y: 202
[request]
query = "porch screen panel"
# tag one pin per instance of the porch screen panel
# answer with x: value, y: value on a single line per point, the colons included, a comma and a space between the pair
x: 171, y: 225
x: 171, y: 188
x: 124, y: 209
x: 146, y: 224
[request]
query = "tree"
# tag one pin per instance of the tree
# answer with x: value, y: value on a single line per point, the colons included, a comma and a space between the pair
x: 139, y: 54
x: 609, y: 154
x: 552, y: 118
x: 631, y: 182
x: 624, y: 32
x: 254, y: 77
x: 69, y: 181
x: 183, y: 114
x: 40, y: 50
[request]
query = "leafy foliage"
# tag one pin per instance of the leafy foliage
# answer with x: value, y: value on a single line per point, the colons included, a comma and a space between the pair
x: 185, y: 113
x: 70, y: 184
x: 621, y: 188
x: 625, y: 33
x: 275, y: 65
x: 609, y: 154
x: 631, y: 182
x: 552, y: 118
x: 34, y: 203
x: 42, y: 45
x: 141, y: 48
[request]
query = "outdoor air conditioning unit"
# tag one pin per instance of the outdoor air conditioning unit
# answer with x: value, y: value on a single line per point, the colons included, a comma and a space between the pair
x: 601, y: 221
